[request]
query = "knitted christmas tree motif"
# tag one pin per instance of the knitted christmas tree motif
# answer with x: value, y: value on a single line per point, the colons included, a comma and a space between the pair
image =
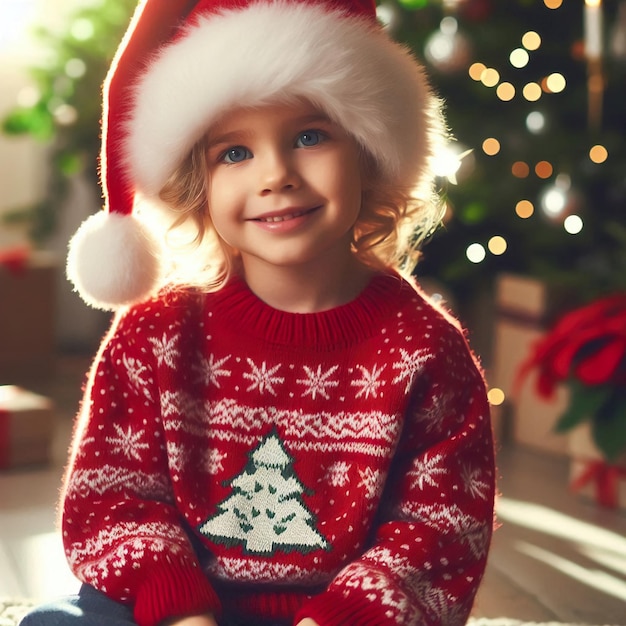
x: 265, y: 511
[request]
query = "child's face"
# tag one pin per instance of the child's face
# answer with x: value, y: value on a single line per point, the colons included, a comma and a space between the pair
x: 284, y: 184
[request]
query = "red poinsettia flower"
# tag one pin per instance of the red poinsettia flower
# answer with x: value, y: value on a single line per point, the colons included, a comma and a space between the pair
x: 586, y: 350
x: 588, y: 344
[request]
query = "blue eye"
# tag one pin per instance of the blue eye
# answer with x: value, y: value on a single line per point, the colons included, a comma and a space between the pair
x: 309, y: 138
x: 236, y: 154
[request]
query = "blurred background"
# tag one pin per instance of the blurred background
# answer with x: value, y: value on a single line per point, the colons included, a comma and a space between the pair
x: 533, y: 182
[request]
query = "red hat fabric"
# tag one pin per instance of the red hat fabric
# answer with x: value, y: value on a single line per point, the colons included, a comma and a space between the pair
x: 182, y: 64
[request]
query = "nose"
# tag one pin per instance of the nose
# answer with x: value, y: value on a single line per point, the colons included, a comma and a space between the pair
x: 278, y: 172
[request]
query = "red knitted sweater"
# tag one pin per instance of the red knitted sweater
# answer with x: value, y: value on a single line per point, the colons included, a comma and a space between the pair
x: 234, y: 458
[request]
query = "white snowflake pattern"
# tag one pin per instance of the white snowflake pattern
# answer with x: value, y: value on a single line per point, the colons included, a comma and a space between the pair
x: 434, y: 415
x: 137, y: 373
x: 472, y: 483
x: 378, y: 586
x: 426, y: 470
x: 165, y: 349
x: 176, y: 456
x: 409, y: 365
x: 127, y: 442
x: 318, y: 382
x: 370, y: 382
x: 371, y: 481
x: 214, y: 461
x: 471, y: 531
x: 337, y: 474
x: 211, y: 369
x: 263, y: 379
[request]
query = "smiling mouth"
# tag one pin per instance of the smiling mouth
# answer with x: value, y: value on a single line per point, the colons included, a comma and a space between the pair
x: 285, y: 217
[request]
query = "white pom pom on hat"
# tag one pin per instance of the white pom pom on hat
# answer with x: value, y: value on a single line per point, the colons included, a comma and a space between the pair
x: 183, y: 63
x: 132, y: 266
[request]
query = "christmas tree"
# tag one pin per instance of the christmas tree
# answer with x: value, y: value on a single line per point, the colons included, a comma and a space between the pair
x: 265, y: 511
x: 533, y: 93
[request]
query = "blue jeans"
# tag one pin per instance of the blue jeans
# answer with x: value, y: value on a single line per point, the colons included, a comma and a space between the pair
x: 92, y: 608
x: 89, y: 608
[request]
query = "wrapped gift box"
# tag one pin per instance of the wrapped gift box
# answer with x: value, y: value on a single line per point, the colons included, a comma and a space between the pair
x: 524, y: 309
x: 27, y: 317
x: 26, y: 427
x: 590, y: 475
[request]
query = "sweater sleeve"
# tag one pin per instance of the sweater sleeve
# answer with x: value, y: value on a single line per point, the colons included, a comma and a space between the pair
x: 121, y: 530
x: 430, y: 547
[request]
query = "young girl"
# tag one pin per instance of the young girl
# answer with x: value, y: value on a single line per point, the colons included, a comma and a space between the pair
x: 291, y: 433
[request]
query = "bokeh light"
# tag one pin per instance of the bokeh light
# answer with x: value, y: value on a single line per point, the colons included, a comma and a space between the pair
x: 544, y: 169
x: 598, y: 154
x: 519, y: 58
x: 497, y: 245
x: 520, y: 169
x: 491, y: 146
x: 556, y: 82
x: 524, y: 209
x: 505, y: 91
x: 476, y: 71
x: 536, y: 122
x: 495, y: 396
x: 532, y: 92
x: 573, y: 224
x: 490, y: 77
x: 531, y: 40
x: 476, y: 253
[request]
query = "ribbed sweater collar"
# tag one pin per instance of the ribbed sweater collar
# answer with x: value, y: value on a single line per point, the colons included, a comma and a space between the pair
x: 240, y: 310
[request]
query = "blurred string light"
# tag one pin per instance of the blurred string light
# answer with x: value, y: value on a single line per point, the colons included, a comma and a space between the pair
x: 598, y: 154
x: 559, y: 202
x: 497, y: 245
x: 544, y: 169
x: 554, y: 83
x: 519, y: 58
x: 389, y: 16
x: 553, y: 4
x: 520, y: 169
x: 491, y: 146
x: 495, y: 396
x: 573, y: 224
x: 476, y: 253
x: 524, y: 209
x: 447, y: 49
x: 531, y: 40
x: 505, y: 91
x: 532, y: 92
x: 536, y: 122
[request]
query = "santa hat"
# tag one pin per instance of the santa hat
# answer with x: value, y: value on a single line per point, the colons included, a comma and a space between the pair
x: 183, y: 63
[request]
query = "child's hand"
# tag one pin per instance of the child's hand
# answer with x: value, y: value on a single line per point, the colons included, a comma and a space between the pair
x: 193, y: 620
x: 307, y: 621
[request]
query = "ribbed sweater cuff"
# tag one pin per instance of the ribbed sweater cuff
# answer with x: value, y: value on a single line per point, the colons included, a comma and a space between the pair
x: 174, y: 591
x: 331, y: 608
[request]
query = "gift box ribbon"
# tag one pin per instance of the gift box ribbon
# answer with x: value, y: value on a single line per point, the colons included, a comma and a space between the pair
x: 15, y: 259
x: 606, y: 478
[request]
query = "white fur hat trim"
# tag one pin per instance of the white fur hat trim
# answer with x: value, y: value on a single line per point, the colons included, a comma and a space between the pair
x: 348, y: 67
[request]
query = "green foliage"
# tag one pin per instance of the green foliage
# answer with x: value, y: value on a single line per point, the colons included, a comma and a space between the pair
x: 67, y: 113
x: 604, y: 406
